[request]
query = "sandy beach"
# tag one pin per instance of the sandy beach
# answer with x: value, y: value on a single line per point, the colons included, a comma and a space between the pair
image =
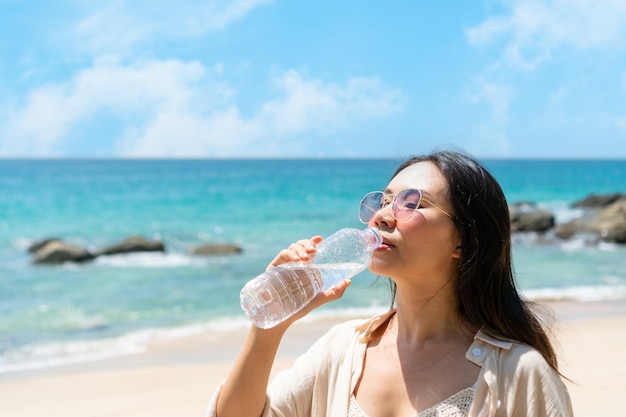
x: 177, y: 378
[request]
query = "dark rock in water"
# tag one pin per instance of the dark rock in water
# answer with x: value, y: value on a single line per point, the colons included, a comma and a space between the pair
x: 41, y: 243
x: 216, y: 249
x: 526, y: 217
x: 567, y: 230
x: 133, y: 244
x: 599, y: 200
x: 57, y: 252
x: 607, y: 224
x: 610, y: 222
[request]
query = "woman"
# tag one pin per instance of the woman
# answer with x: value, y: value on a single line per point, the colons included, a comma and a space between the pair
x: 460, y: 340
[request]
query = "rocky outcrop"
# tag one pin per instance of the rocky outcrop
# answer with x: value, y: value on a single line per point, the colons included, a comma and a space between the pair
x: 215, y: 249
x: 606, y: 224
x: 568, y: 230
x: 603, y: 219
x: 55, y: 251
x: 133, y: 244
x: 37, y: 245
x: 599, y: 200
x: 610, y: 223
x: 527, y: 217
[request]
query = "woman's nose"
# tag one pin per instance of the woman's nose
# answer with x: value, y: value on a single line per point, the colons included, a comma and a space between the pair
x: 383, y: 216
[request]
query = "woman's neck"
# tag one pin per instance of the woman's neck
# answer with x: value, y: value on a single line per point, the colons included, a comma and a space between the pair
x: 420, y: 319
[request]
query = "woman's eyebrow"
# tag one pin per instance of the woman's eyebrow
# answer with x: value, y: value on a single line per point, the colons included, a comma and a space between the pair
x: 426, y: 194
x: 429, y: 198
x: 423, y: 192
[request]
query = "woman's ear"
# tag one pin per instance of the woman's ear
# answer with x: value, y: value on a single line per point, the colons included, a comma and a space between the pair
x: 457, y: 252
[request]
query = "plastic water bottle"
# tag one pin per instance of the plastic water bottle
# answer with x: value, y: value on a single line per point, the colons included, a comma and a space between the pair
x: 282, y: 291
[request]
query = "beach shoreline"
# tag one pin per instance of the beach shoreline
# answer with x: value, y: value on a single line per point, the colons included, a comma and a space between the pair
x: 178, y: 377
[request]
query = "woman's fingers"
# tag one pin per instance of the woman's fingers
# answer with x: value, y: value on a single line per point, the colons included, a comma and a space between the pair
x: 301, y: 251
x: 335, y: 292
x: 324, y: 297
x: 304, y: 251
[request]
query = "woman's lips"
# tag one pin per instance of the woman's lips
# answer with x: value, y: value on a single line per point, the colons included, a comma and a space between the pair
x: 385, y: 245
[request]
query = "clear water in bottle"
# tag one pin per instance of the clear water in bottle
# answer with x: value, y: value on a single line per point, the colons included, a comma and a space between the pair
x: 286, y: 289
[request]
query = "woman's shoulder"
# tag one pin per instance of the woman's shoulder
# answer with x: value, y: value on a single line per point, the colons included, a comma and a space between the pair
x: 521, y: 372
x: 509, y: 354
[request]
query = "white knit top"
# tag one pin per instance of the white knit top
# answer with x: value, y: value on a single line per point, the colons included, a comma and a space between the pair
x: 457, y: 405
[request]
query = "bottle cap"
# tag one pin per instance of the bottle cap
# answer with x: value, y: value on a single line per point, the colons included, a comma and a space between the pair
x: 372, y: 237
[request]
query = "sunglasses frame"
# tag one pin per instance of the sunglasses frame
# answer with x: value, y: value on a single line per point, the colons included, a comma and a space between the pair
x: 393, y: 201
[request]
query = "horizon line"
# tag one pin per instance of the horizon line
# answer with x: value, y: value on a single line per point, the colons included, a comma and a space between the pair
x: 301, y: 158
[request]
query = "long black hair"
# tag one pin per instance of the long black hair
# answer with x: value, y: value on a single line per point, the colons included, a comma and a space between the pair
x: 485, y: 288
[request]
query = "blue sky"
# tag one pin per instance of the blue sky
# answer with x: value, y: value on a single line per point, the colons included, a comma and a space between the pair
x: 261, y: 78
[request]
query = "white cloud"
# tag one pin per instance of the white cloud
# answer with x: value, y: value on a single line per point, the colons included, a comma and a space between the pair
x: 525, y: 35
x: 313, y: 104
x: 303, y: 106
x: 489, y: 141
x: 51, y: 112
x: 489, y: 136
x: 174, y: 108
x: 498, y: 95
x: 115, y: 27
x: 534, y: 29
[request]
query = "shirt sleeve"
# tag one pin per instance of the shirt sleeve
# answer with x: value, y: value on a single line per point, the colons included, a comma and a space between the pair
x: 303, y: 389
x: 537, y: 389
x: 308, y: 387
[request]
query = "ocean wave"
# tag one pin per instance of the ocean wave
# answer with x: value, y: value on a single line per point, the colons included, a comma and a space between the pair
x: 30, y: 358
x: 580, y: 241
x: 149, y: 260
x: 563, y: 213
x: 582, y: 293
x: 49, y: 355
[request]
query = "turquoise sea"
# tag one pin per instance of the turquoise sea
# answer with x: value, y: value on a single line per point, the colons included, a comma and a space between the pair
x: 115, y: 305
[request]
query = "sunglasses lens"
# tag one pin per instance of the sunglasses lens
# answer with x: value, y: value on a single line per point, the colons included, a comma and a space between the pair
x: 370, y: 204
x: 405, y: 203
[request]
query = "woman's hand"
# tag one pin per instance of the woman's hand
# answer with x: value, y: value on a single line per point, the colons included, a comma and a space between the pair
x: 304, y: 251
x: 250, y: 374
